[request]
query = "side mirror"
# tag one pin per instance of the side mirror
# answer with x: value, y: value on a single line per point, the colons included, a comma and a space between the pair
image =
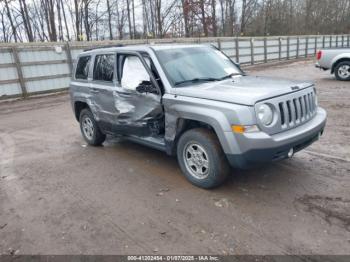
x: 146, y: 87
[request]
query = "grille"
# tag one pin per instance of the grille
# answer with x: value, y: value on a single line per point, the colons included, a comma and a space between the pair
x: 297, y: 110
x: 291, y: 110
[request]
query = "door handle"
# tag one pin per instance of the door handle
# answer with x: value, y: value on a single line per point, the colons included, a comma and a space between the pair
x: 123, y: 93
x: 95, y: 90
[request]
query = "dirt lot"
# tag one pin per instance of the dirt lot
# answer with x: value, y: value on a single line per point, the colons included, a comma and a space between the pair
x: 59, y: 196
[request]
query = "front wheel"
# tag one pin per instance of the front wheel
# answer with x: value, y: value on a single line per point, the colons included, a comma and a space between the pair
x: 342, y: 71
x: 89, y: 128
x: 202, y: 159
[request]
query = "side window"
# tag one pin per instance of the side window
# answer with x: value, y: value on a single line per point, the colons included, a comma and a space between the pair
x: 104, y: 68
x: 83, y: 66
x: 134, y: 73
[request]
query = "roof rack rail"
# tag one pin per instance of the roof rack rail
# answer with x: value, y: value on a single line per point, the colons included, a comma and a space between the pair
x: 104, y: 46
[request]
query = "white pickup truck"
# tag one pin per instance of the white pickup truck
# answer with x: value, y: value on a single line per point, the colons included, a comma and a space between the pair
x: 336, y: 59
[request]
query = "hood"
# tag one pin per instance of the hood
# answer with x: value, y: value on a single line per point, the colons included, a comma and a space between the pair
x: 245, y: 90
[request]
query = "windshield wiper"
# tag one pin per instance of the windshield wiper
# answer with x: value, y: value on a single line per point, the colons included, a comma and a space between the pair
x: 196, y: 80
x: 229, y: 76
x: 206, y: 79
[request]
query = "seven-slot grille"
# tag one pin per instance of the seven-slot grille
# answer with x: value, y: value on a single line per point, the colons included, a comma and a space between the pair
x: 297, y: 110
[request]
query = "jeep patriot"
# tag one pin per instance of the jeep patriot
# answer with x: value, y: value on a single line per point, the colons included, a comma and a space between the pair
x: 193, y: 102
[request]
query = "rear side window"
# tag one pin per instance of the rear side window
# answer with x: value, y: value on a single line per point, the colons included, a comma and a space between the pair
x: 83, y: 66
x: 104, y: 67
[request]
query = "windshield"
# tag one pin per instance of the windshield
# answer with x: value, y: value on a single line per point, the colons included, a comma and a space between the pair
x: 196, y: 64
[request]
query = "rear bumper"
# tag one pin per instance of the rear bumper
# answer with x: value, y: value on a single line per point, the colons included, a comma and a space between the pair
x: 317, y: 65
x: 262, y: 148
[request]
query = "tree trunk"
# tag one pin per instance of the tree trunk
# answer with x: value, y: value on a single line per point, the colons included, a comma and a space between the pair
x: 5, y: 36
x: 185, y: 11
x: 65, y: 21
x: 213, y: 17
x: 77, y: 19
x: 129, y: 18
x: 133, y: 18
x: 231, y: 17
x: 41, y: 26
x: 308, y: 10
x: 86, y: 19
x: 144, y: 19
x: 109, y: 20
x: 59, y: 17
x: 9, y: 16
x: 244, y: 7
x: 204, y: 23
x: 158, y: 8
x: 25, y: 18
x: 223, y: 18
x: 44, y: 7
x: 52, y: 21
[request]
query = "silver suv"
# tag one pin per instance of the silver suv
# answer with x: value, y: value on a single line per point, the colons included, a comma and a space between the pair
x: 194, y: 102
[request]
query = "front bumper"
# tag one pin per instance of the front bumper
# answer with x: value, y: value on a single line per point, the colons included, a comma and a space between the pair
x: 259, y: 148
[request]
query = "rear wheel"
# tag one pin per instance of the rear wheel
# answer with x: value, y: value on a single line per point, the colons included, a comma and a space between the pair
x: 202, y: 159
x: 342, y: 71
x: 89, y: 128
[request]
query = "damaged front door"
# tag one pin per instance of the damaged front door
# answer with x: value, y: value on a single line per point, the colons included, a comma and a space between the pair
x: 137, y: 97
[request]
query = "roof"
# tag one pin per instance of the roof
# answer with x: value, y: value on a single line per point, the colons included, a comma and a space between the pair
x: 145, y: 47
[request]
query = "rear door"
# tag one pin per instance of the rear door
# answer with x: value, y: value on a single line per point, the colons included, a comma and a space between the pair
x: 103, y: 85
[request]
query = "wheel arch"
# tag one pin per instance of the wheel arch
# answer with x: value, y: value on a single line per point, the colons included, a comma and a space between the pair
x: 187, y: 122
x: 337, y: 61
x: 79, y: 105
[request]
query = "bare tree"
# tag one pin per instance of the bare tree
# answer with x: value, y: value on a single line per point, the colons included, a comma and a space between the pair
x: 213, y: 17
x: 77, y: 19
x: 65, y: 20
x: 121, y: 18
x: 109, y: 11
x: 49, y: 12
x: 5, y: 35
x: 38, y: 24
x: 186, y: 12
x: 129, y: 18
x: 230, y: 17
x: 204, y: 22
x: 86, y: 19
x: 248, y: 8
x: 60, y: 20
x: 9, y: 16
x: 25, y: 20
x: 133, y: 18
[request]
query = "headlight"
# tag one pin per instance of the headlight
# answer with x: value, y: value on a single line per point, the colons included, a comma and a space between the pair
x: 265, y: 114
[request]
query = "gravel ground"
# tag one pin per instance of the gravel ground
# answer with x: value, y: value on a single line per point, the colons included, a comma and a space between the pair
x: 59, y: 196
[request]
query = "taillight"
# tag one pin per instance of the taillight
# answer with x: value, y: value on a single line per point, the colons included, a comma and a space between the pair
x: 319, y: 55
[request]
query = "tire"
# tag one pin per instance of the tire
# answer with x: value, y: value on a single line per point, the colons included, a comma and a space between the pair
x: 89, y: 128
x: 207, y: 167
x: 342, y: 71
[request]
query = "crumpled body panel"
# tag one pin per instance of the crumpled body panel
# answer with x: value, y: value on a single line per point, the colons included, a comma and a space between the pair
x: 129, y: 112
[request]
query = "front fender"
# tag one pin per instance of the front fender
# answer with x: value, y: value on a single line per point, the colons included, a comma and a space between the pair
x: 219, y: 115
